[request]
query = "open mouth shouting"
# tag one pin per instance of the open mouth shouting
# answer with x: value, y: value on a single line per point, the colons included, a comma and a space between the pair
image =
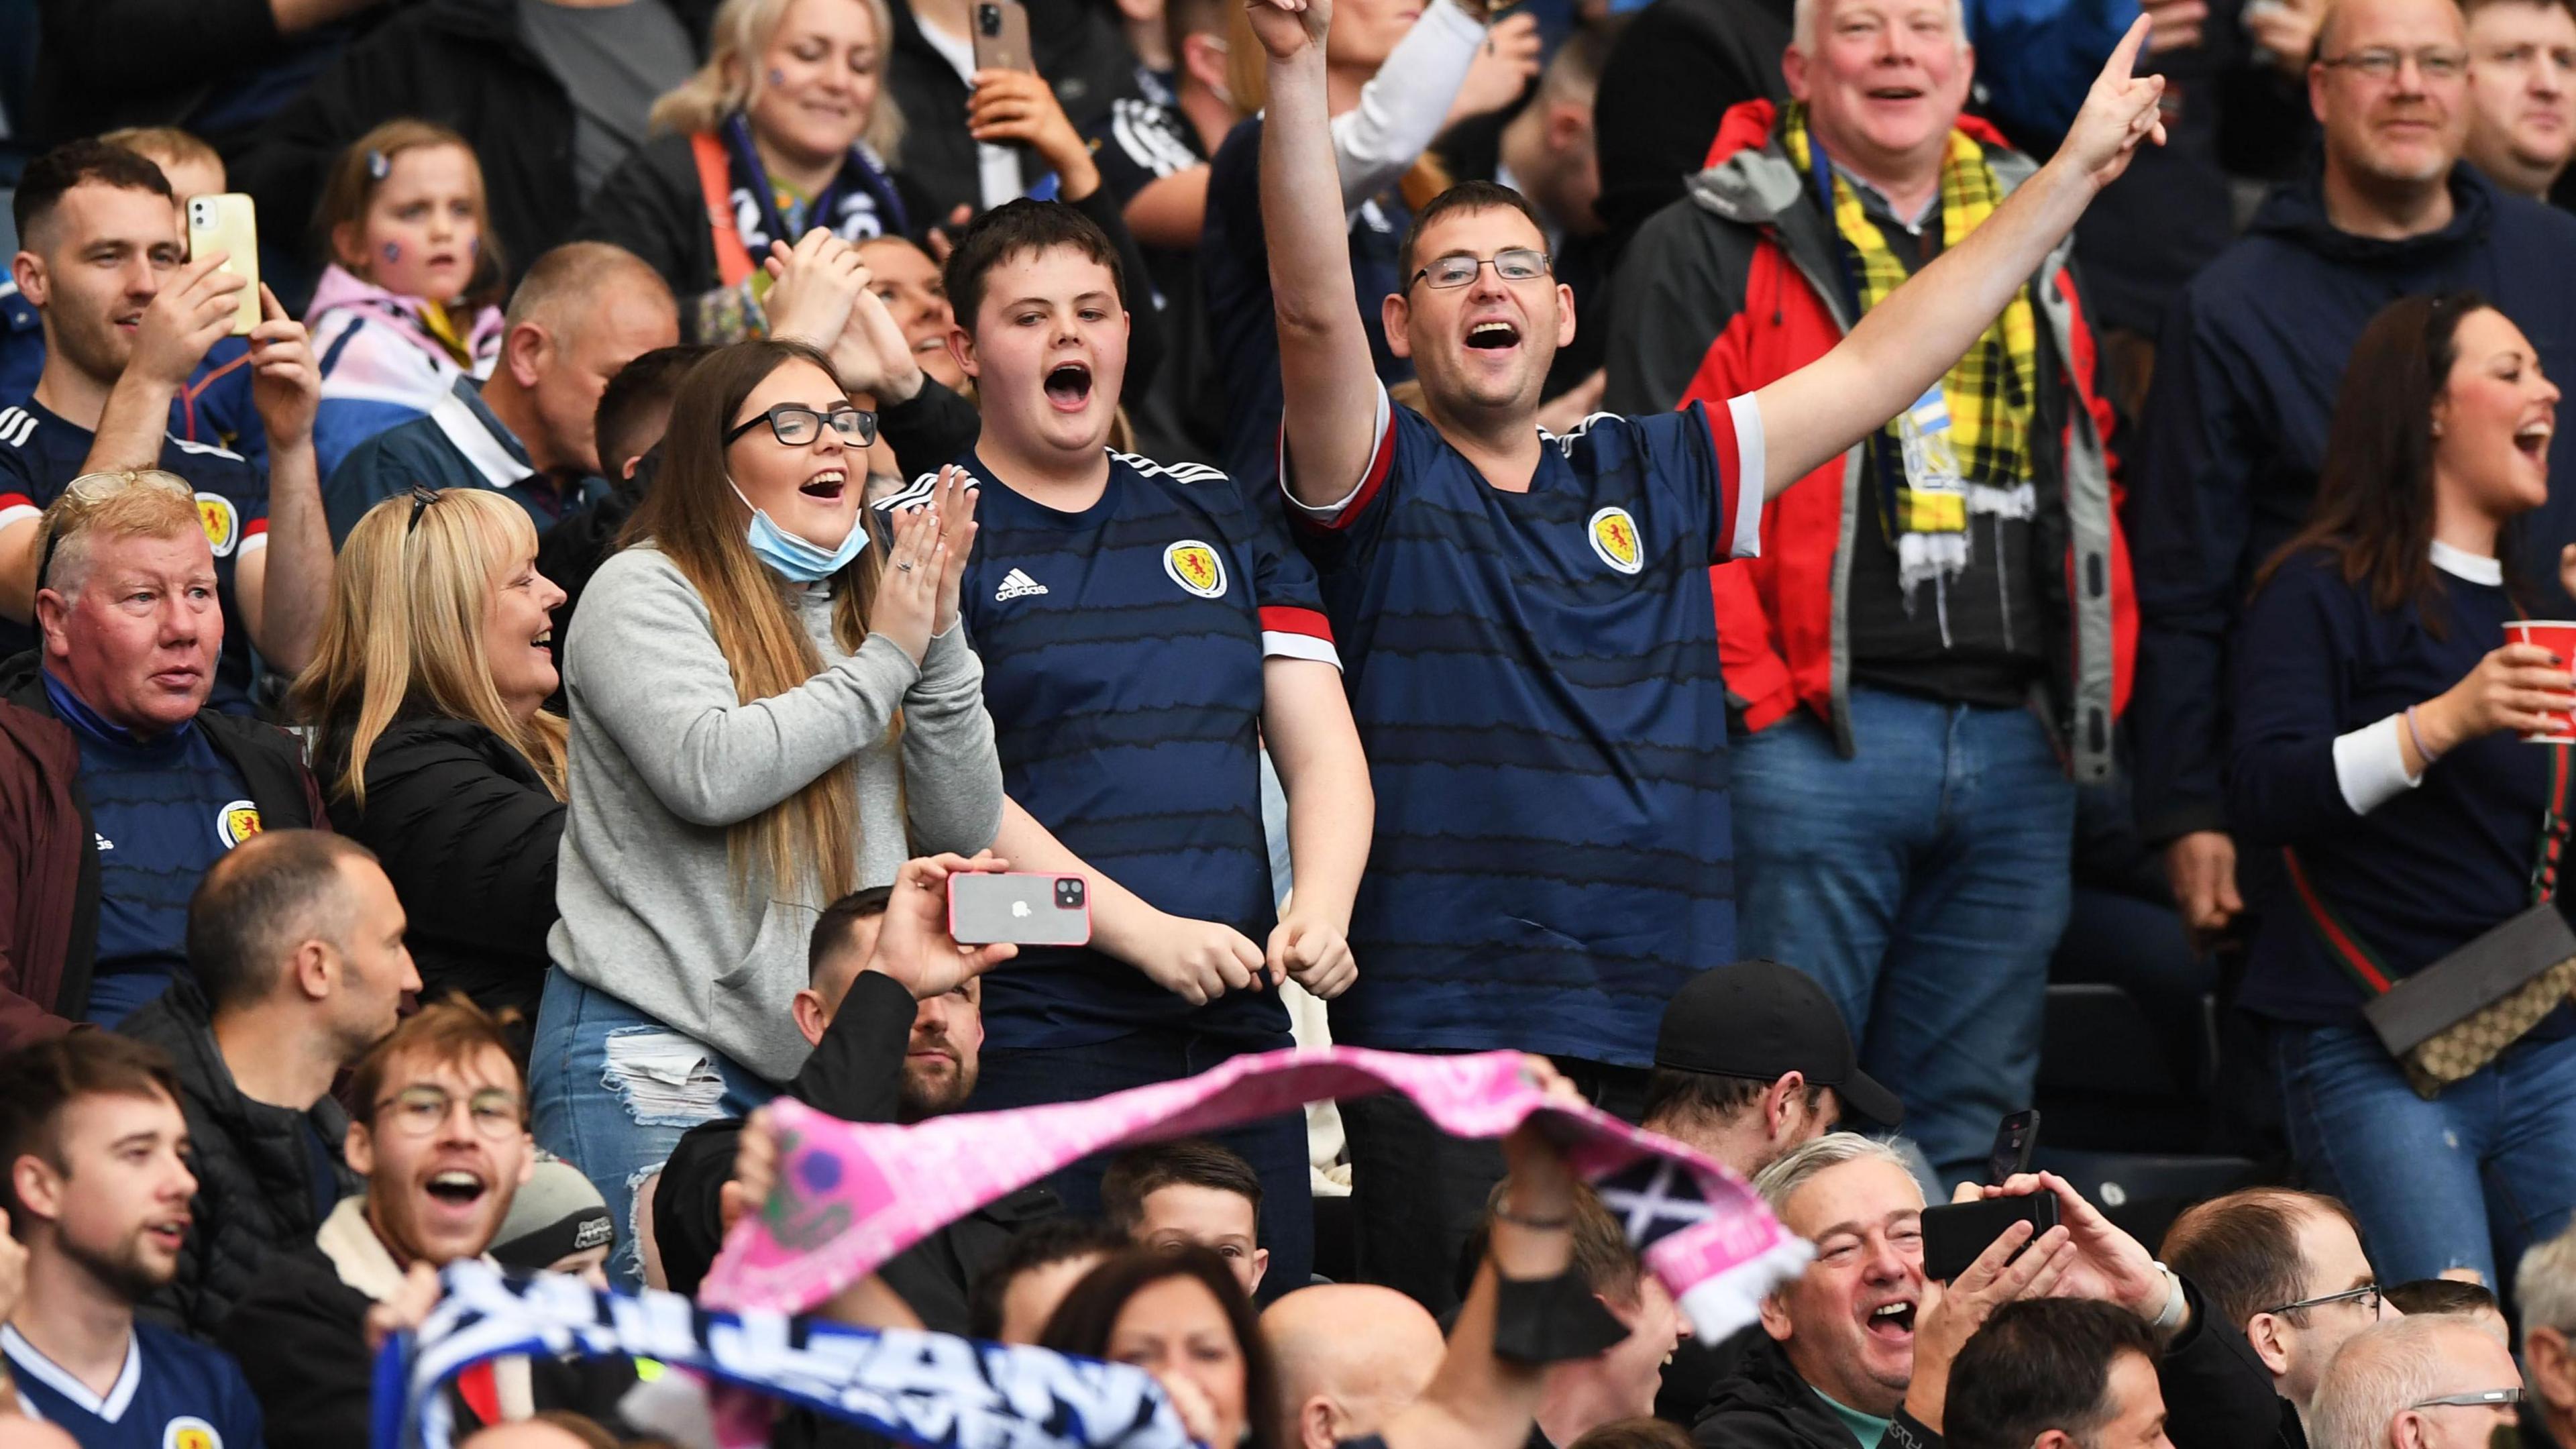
x: 2532, y: 438
x: 455, y: 1195
x: 1068, y: 386
x: 1891, y: 1322
x: 827, y: 485
x: 1494, y: 334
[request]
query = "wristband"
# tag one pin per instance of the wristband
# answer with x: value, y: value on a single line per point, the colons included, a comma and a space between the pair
x: 1539, y: 1321
x: 2177, y: 1303
x: 2417, y: 736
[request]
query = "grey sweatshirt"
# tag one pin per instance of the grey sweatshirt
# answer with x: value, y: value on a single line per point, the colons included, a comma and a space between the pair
x: 663, y: 758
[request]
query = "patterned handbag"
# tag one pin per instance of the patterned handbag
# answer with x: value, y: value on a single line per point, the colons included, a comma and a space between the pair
x: 2447, y: 1021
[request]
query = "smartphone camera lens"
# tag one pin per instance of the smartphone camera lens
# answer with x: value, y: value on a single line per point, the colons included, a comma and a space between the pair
x: 1068, y: 893
x: 988, y: 18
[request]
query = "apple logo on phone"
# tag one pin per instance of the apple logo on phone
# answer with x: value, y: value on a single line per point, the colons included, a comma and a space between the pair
x: 1020, y: 909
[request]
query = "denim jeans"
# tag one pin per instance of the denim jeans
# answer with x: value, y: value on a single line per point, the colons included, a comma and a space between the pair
x: 1923, y: 883
x: 612, y: 1090
x: 2467, y: 1180
x: 1275, y: 1146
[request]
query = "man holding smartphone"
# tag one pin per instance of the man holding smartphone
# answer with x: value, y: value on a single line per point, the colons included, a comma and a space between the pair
x: 120, y: 340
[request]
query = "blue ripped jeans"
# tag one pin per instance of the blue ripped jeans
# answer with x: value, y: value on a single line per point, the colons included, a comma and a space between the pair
x: 612, y: 1090
x: 2467, y: 1180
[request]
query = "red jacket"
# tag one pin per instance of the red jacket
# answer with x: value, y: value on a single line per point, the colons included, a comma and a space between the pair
x: 1729, y: 289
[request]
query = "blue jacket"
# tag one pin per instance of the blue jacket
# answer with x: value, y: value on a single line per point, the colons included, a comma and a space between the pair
x: 215, y: 407
x: 458, y: 443
x: 2235, y: 428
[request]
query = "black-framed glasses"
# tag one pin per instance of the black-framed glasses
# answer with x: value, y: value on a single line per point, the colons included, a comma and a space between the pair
x: 796, y: 425
x: 420, y: 1110
x: 2482, y: 1399
x: 2367, y: 1295
x: 2382, y: 64
x: 1512, y: 264
x: 421, y: 498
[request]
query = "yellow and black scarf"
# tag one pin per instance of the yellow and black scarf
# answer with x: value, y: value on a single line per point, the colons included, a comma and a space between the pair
x: 1990, y: 391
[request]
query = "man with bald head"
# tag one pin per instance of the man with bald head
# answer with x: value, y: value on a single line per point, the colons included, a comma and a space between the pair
x: 2235, y: 426
x: 581, y: 313
x: 1348, y: 1356
x: 2433, y: 1382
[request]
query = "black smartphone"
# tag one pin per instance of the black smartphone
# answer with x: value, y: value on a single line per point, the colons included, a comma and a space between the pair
x: 2015, y: 1139
x: 1955, y: 1233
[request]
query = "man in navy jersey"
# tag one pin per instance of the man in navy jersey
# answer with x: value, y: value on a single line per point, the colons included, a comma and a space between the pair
x: 96, y: 1185
x: 123, y: 787
x: 1532, y: 655
x: 126, y: 321
x: 1144, y: 631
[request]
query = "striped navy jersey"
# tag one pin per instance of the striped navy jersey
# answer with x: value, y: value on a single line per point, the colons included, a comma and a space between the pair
x: 40, y: 454
x: 1123, y: 649
x: 171, y: 1394
x: 1141, y: 142
x: 1535, y: 678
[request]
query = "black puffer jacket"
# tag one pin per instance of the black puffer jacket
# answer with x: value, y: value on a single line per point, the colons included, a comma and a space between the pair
x: 468, y: 833
x: 255, y: 1165
x: 1764, y: 1404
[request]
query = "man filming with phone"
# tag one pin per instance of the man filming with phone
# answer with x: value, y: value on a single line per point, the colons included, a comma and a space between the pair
x: 894, y: 1011
x: 127, y: 318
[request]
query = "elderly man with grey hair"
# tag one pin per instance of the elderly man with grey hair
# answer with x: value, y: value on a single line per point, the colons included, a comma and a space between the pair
x: 2433, y: 1382
x: 119, y: 788
x: 2544, y: 1289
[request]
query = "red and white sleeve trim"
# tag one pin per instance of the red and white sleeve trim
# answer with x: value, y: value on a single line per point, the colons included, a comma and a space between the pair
x: 17, y: 508
x: 254, y: 536
x: 1339, y: 514
x: 1736, y: 435
x: 1288, y: 632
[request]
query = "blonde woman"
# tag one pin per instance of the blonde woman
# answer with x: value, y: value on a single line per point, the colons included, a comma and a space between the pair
x: 431, y: 737
x: 766, y: 704
x: 788, y: 124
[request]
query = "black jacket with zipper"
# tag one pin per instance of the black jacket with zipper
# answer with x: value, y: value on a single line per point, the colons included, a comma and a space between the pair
x: 1764, y: 1404
x: 856, y: 1074
x: 465, y: 65
x: 468, y: 833
x: 255, y: 1166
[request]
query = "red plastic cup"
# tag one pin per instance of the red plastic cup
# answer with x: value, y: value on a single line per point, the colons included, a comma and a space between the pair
x: 2558, y: 636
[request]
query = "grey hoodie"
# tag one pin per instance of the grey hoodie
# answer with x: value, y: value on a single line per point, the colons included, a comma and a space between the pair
x: 663, y: 758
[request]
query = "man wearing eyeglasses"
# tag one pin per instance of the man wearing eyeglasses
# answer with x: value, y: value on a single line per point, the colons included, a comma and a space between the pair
x: 2245, y: 382
x: 1536, y: 668
x: 2434, y: 1382
x: 1903, y: 812
x: 440, y: 1133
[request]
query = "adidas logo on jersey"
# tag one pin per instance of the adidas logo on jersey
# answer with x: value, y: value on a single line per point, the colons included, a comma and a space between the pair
x: 1017, y: 585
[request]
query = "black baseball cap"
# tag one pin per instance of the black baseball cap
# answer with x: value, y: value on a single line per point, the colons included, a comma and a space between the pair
x: 1760, y: 1019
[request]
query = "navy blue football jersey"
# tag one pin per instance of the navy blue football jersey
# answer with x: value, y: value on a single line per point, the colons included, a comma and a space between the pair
x: 1535, y: 678
x: 40, y: 454
x: 172, y: 1394
x: 1123, y: 649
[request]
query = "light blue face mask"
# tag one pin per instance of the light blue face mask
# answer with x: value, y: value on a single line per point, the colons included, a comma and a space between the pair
x: 799, y: 559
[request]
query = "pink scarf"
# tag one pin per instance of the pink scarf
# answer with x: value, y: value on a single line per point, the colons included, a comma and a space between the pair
x: 852, y: 1195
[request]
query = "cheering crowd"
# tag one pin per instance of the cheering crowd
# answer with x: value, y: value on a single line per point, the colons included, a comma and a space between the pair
x: 1719, y: 545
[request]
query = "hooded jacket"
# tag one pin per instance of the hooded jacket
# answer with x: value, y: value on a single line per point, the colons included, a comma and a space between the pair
x: 380, y: 366
x: 49, y: 852
x: 2235, y: 428
x: 1733, y: 288
x: 255, y: 1166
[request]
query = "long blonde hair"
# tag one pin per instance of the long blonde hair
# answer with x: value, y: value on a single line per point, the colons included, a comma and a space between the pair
x: 405, y: 632
x: 724, y: 85
x: 694, y: 517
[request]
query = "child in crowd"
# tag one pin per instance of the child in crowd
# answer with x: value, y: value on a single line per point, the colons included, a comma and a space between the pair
x: 410, y: 302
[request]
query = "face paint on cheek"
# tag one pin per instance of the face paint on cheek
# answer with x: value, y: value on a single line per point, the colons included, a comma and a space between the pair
x: 393, y: 251
x: 777, y: 77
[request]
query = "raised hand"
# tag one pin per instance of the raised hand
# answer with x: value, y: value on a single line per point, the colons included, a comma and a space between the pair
x: 1011, y: 106
x: 908, y: 587
x: 192, y: 312
x: 871, y: 355
x: 286, y: 381
x: 2119, y: 112
x: 952, y: 502
x: 1947, y: 1318
x: 814, y: 284
x: 1501, y: 70
x: 914, y: 947
x: 1289, y: 27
